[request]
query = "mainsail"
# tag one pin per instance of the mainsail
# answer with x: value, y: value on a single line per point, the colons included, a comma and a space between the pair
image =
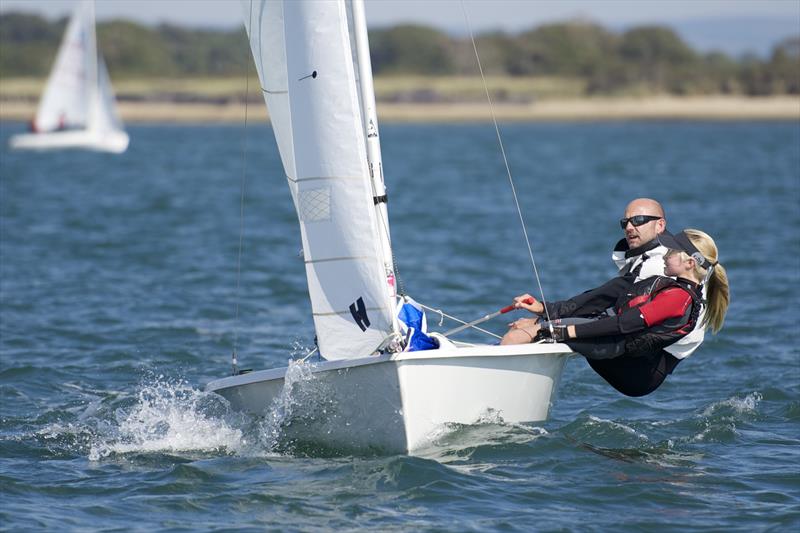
x: 304, y: 58
x: 66, y: 99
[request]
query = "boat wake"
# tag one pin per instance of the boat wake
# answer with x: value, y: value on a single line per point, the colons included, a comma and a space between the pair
x: 718, y: 421
x: 170, y: 416
x: 289, y: 405
x: 664, y: 442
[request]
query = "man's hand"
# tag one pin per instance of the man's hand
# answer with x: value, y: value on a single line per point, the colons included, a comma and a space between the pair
x: 521, y: 302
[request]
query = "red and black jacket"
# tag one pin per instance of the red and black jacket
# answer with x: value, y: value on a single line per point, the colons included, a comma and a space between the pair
x: 656, y: 336
x: 636, y: 328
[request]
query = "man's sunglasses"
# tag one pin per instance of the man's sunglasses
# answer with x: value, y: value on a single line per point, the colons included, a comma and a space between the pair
x: 637, y: 220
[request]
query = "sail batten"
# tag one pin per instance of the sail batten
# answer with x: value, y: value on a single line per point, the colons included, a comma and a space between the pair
x: 345, y: 312
x: 319, y: 178
x: 367, y: 258
x: 303, y: 55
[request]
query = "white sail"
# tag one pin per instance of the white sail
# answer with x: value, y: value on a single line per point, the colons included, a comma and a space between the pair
x: 304, y: 59
x: 66, y: 102
x: 104, y: 116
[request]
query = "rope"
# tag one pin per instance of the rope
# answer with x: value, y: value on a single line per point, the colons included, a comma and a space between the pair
x: 400, y: 287
x: 442, y: 313
x: 237, y: 297
x: 508, y: 169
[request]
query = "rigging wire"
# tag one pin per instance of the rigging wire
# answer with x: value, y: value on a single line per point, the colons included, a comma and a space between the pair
x: 237, y: 296
x: 508, y: 169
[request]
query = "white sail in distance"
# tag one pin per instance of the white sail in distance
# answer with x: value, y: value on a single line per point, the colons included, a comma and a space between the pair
x: 77, y: 109
x: 66, y: 100
x: 302, y: 51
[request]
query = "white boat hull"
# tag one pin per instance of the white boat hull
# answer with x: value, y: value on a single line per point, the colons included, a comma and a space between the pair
x: 398, y: 403
x: 113, y: 141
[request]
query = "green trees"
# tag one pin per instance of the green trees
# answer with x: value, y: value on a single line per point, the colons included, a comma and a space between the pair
x: 784, y: 67
x: 658, y: 59
x: 411, y: 49
x: 132, y: 50
x: 28, y: 44
x: 646, y: 59
x: 570, y: 49
x: 204, y: 52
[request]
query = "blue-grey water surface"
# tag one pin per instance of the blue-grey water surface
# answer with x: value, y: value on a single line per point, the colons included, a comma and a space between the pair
x: 118, y: 279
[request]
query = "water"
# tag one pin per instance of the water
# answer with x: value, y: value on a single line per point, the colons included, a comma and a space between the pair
x: 118, y: 286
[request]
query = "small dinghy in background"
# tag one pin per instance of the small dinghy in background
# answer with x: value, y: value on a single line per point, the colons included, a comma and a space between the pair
x: 77, y: 109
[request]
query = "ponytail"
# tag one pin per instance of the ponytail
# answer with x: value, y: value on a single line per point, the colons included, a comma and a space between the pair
x: 717, y: 290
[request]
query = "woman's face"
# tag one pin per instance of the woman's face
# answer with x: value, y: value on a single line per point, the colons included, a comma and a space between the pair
x: 675, y: 263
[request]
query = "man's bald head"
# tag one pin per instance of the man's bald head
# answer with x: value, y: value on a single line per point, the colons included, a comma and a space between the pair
x: 639, y: 235
x: 644, y: 206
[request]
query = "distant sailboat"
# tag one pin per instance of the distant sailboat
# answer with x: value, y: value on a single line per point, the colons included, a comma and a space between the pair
x: 373, y: 390
x: 77, y: 109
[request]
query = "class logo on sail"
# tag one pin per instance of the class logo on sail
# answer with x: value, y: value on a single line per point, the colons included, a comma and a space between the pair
x: 359, y: 312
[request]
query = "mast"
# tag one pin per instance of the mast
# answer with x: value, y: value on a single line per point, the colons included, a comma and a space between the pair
x: 370, y: 118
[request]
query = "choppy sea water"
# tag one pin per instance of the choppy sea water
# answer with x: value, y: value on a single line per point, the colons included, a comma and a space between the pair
x: 118, y: 303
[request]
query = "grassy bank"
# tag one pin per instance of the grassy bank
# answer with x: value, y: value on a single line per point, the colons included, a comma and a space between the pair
x: 417, y: 99
x: 388, y: 88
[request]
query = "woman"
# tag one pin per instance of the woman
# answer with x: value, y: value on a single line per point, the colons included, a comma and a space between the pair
x: 627, y: 348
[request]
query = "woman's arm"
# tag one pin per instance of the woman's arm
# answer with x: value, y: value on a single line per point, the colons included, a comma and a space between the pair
x: 630, y: 321
x: 670, y: 303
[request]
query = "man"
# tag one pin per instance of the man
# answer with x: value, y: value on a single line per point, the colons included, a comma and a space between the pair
x: 639, y: 254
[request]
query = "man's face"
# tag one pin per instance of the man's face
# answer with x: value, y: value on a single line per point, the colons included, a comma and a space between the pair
x: 639, y: 235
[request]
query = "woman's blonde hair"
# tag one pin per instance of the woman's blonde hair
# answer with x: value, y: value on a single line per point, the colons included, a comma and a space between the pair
x: 717, y: 290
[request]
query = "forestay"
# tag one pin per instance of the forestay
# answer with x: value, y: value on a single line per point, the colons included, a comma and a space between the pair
x: 303, y: 54
x: 66, y: 101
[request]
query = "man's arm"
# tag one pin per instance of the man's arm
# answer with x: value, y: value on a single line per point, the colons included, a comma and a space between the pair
x: 592, y: 302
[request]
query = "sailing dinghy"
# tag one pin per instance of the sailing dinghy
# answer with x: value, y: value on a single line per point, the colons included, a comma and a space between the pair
x: 371, y: 391
x: 77, y: 109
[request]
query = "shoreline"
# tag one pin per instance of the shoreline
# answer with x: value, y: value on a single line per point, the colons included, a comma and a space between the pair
x: 779, y: 108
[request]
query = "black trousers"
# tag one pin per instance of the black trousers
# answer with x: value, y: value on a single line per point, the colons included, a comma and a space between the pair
x: 635, y: 376
x: 631, y: 375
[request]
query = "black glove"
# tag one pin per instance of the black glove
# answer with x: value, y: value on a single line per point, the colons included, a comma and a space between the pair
x: 558, y: 334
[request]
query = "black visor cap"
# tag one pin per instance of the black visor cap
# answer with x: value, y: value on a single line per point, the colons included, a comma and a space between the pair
x: 681, y: 242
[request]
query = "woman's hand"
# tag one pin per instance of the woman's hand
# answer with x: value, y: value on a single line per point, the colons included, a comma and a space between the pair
x: 528, y: 324
x: 521, y: 331
x: 521, y: 302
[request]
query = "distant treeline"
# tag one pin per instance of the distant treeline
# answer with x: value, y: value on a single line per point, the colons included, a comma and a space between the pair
x: 651, y: 59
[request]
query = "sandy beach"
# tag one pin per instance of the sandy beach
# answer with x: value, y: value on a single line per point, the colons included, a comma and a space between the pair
x: 653, y: 108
